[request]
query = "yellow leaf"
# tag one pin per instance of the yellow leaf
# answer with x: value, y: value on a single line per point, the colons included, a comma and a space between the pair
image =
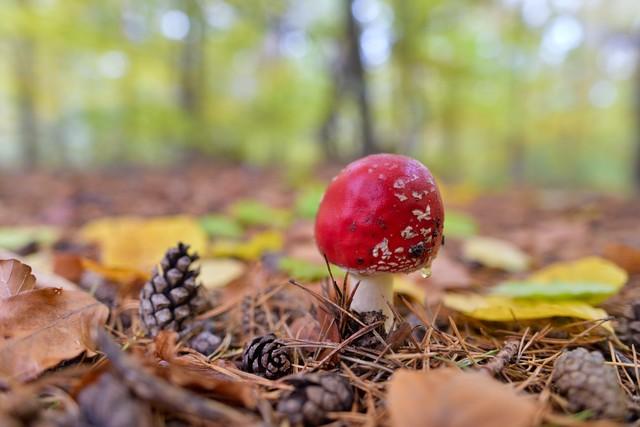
x: 590, y: 269
x: 250, y: 250
x: 216, y: 273
x: 120, y: 275
x: 495, y: 253
x: 140, y: 243
x: 403, y: 285
x: 504, y: 309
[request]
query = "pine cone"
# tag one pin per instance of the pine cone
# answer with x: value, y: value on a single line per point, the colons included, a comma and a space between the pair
x: 265, y: 356
x: 172, y: 297
x: 628, y: 326
x: 206, y: 342
x: 314, y: 396
x: 587, y: 383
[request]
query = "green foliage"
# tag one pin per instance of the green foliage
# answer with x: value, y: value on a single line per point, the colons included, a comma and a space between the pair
x: 459, y: 224
x: 308, y: 201
x: 302, y: 270
x: 467, y: 87
x: 253, y: 212
x: 221, y: 226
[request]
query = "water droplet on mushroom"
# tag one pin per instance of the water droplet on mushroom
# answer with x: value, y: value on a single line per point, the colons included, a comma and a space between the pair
x: 425, y: 272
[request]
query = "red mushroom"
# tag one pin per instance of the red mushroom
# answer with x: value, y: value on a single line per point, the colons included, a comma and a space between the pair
x: 381, y: 215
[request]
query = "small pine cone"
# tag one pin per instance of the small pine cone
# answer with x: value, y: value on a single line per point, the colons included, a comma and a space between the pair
x: 254, y: 317
x: 172, y: 297
x: 206, y: 342
x: 265, y: 356
x: 314, y: 396
x: 587, y: 382
x: 628, y: 326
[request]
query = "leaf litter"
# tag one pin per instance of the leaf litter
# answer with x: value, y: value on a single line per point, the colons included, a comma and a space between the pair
x: 445, y: 365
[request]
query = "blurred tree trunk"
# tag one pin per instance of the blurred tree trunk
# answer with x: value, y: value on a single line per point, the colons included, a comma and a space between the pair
x: 193, y: 71
x: 26, y: 88
x: 358, y: 81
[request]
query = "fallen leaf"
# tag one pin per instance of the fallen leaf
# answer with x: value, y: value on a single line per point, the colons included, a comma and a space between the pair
x: 43, y: 327
x: 625, y: 256
x: 15, y: 277
x: 216, y: 273
x: 447, y: 273
x: 139, y: 243
x: 504, y: 309
x: 403, y: 285
x: 192, y: 372
x: 251, y: 250
x: 590, y: 292
x: 459, y: 224
x: 221, y: 226
x: 495, y: 253
x: 301, y: 269
x: 447, y: 397
x: 41, y: 267
x: 122, y: 276
x: 590, y: 269
x: 253, y: 212
x: 14, y: 238
x: 308, y: 201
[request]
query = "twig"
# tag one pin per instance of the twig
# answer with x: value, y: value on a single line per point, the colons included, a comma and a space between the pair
x: 163, y: 394
x: 503, y: 357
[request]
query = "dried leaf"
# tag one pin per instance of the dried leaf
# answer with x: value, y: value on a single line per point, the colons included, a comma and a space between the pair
x: 448, y: 397
x: 43, y: 327
x: 504, y: 309
x: 15, y: 277
x: 627, y: 257
x: 193, y: 372
x: 216, y: 273
x: 495, y: 253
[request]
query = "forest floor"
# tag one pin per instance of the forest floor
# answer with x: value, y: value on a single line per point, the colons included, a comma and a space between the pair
x: 456, y: 358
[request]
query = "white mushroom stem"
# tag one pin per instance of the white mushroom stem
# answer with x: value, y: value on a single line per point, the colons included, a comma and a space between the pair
x: 375, y: 293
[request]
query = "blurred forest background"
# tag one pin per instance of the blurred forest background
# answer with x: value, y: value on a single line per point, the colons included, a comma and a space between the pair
x: 494, y: 92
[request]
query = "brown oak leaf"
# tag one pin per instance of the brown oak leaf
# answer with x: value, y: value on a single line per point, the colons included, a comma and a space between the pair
x: 449, y: 397
x: 43, y: 327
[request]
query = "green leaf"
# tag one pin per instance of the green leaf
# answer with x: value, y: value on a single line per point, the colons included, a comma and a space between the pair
x: 221, y: 226
x: 252, y: 212
x: 589, y: 291
x: 459, y: 224
x: 302, y: 270
x: 14, y: 238
x: 308, y: 201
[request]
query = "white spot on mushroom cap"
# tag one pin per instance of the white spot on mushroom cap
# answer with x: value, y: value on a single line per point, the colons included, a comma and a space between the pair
x: 399, y: 250
x: 398, y: 183
x: 382, y: 249
x: 400, y: 196
x: 425, y: 231
x: 422, y: 216
x: 408, y: 232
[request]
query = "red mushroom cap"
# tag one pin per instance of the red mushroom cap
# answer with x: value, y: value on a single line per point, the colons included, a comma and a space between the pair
x: 382, y: 213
